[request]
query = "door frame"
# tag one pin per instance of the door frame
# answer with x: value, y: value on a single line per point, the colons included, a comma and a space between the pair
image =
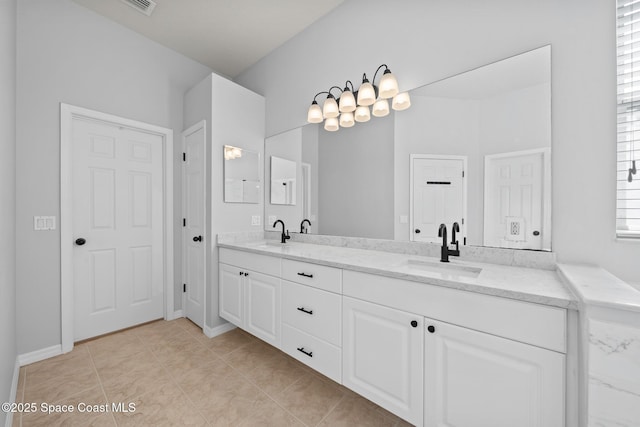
x: 69, y: 113
x: 192, y: 129
x: 546, y: 190
x: 464, y: 159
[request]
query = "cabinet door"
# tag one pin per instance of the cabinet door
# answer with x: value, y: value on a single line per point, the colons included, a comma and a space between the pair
x: 383, y: 357
x: 231, y: 293
x: 473, y: 379
x: 262, y: 306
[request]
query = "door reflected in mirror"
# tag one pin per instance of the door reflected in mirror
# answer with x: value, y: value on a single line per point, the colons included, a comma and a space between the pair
x: 283, y: 181
x: 241, y: 175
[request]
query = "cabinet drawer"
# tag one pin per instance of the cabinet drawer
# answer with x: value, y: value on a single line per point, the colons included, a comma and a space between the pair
x: 535, y: 324
x: 318, y: 276
x: 261, y: 263
x: 313, y: 311
x: 319, y: 355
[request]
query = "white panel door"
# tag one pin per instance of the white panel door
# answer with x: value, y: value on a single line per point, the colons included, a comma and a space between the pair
x: 513, y: 216
x: 262, y: 306
x: 231, y: 294
x: 382, y: 360
x: 473, y: 379
x: 118, y: 211
x: 194, y: 222
x: 438, y: 197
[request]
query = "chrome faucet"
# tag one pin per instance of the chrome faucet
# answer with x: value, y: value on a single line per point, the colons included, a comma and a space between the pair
x: 283, y: 237
x: 303, y: 229
x: 444, y: 250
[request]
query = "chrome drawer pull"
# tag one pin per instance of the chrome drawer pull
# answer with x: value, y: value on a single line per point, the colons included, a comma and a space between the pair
x: 310, y: 276
x: 305, y: 311
x: 308, y: 353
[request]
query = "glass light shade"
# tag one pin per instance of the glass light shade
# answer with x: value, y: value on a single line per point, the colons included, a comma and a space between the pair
x: 388, y: 85
x: 330, y: 108
x: 380, y: 108
x: 366, y: 94
x: 314, y: 115
x: 331, y: 124
x: 362, y: 114
x: 401, y: 101
x: 347, y: 102
x: 346, y: 120
x: 236, y: 152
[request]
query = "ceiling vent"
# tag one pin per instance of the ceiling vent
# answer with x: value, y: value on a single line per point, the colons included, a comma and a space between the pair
x: 142, y: 6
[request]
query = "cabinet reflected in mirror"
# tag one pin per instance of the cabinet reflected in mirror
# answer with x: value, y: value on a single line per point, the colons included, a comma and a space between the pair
x: 496, y: 117
x: 241, y: 175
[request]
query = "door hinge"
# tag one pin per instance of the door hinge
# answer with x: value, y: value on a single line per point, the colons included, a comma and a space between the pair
x: 465, y: 241
x: 184, y: 287
x: 462, y: 221
x: 184, y: 222
x: 184, y: 157
x: 463, y: 174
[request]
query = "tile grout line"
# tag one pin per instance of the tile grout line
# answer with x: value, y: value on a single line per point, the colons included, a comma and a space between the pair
x: 175, y: 383
x: 243, y: 375
x: 104, y: 393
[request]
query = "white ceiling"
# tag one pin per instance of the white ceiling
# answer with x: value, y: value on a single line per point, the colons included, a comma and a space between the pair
x: 226, y: 35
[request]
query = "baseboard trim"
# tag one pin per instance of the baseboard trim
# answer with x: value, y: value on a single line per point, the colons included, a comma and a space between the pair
x: 218, y: 330
x: 176, y: 315
x: 14, y: 392
x: 38, y: 355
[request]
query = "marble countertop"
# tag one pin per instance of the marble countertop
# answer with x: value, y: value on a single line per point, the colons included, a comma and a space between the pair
x: 597, y: 287
x: 525, y: 284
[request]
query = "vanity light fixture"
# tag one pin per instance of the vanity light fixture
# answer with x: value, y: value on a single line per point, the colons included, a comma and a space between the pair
x: 231, y: 153
x: 353, y: 105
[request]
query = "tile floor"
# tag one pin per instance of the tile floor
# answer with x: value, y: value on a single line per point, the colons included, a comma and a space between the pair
x: 176, y: 376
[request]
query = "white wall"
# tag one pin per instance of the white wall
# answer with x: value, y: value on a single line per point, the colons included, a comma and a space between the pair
x: 425, y: 41
x: 8, y: 350
x: 69, y: 54
x: 235, y: 116
x: 355, y: 187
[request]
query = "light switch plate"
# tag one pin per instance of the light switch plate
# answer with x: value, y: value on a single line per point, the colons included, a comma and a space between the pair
x: 255, y: 220
x: 44, y: 223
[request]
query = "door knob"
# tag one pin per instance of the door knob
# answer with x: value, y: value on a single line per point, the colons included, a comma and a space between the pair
x: 536, y: 233
x: 197, y: 239
x: 417, y: 230
x: 431, y: 328
x: 414, y: 323
x: 80, y: 241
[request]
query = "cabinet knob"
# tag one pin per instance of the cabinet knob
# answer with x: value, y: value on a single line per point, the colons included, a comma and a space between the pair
x: 431, y: 328
x: 80, y: 241
x: 417, y: 231
x: 414, y: 323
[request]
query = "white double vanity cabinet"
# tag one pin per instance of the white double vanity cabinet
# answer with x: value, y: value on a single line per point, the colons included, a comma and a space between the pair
x: 433, y: 355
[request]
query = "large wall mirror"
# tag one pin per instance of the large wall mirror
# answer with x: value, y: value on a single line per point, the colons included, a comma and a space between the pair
x: 473, y: 148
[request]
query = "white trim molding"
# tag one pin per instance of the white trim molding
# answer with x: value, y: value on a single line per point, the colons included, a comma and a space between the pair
x: 38, y: 355
x: 218, y: 330
x: 13, y: 392
x: 67, y: 114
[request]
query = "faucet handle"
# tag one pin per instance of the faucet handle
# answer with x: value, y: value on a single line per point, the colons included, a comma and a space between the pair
x: 286, y: 236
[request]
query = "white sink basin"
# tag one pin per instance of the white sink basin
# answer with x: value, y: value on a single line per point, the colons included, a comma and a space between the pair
x: 448, y: 268
x: 268, y: 244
